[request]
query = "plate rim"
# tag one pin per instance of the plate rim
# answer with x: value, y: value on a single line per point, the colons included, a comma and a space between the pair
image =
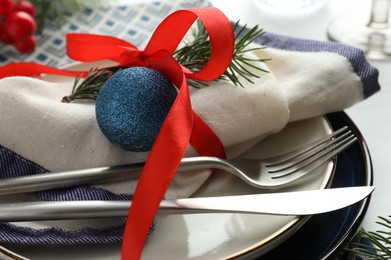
x: 360, y: 214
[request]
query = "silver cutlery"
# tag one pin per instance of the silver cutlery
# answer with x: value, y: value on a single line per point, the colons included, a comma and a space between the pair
x: 266, y: 174
x: 285, y: 203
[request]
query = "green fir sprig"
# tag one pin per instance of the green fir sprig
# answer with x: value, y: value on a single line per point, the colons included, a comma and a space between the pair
x: 380, y: 242
x: 240, y: 61
x: 193, y: 55
x: 91, y: 85
x: 196, y: 53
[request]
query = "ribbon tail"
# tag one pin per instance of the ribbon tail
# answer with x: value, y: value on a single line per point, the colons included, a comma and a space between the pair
x: 31, y: 69
x: 204, y: 140
x: 176, y: 132
x: 163, y: 160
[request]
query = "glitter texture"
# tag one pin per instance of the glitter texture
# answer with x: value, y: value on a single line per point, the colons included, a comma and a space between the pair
x: 132, y: 106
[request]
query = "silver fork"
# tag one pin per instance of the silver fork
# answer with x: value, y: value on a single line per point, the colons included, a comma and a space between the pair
x: 266, y: 174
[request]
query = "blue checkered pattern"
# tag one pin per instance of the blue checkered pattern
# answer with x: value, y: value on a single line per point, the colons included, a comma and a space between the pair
x: 133, y: 23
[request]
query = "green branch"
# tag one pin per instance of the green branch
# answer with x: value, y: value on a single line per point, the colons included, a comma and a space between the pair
x: 196, y: 53
x: 380, y: 242
x: 91, y: 85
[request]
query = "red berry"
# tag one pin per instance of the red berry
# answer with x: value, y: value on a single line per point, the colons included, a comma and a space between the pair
x: 20, y: 25
x: 26, y: 45
x: 5, y: 37
x: 5, y: 7
x: 25, y: 6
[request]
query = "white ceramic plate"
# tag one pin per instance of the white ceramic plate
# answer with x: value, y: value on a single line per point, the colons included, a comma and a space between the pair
x: 214, y: 236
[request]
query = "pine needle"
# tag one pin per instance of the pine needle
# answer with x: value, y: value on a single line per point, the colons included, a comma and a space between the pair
x: 91, y: 85
x: 196, y: 53
x: 380, y: 242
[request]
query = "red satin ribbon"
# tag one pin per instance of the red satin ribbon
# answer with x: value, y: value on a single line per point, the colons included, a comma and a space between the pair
x: 181, y: 125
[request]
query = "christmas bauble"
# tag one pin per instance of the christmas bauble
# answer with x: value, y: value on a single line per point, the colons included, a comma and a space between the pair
x: 132, y: 106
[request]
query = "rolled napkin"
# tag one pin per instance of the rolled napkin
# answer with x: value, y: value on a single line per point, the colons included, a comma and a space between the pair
x: 40, y: 134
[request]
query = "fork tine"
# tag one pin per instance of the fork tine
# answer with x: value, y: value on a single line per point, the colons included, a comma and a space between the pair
x: 315, y: 161
x: 310, y: 153
x: 310, y: 149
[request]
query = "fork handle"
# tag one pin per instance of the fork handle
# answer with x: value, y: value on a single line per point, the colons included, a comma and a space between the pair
x: 46, y: 181
x: 50, y: 180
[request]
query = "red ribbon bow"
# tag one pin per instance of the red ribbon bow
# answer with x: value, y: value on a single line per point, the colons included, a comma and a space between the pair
x: 181, y: 125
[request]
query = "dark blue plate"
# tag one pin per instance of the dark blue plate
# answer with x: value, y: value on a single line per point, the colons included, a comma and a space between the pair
x: 324, y: 236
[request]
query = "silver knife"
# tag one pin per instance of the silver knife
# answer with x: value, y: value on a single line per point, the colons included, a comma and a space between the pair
x: 286, y: 203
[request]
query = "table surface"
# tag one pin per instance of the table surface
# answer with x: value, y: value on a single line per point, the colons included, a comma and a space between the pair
x: 371, y: 116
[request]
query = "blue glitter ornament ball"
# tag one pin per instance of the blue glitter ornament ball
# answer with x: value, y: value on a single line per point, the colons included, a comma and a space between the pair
x: 132, y: 106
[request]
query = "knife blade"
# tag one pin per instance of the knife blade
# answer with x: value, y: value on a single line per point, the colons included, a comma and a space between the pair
x: 285, y: 203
